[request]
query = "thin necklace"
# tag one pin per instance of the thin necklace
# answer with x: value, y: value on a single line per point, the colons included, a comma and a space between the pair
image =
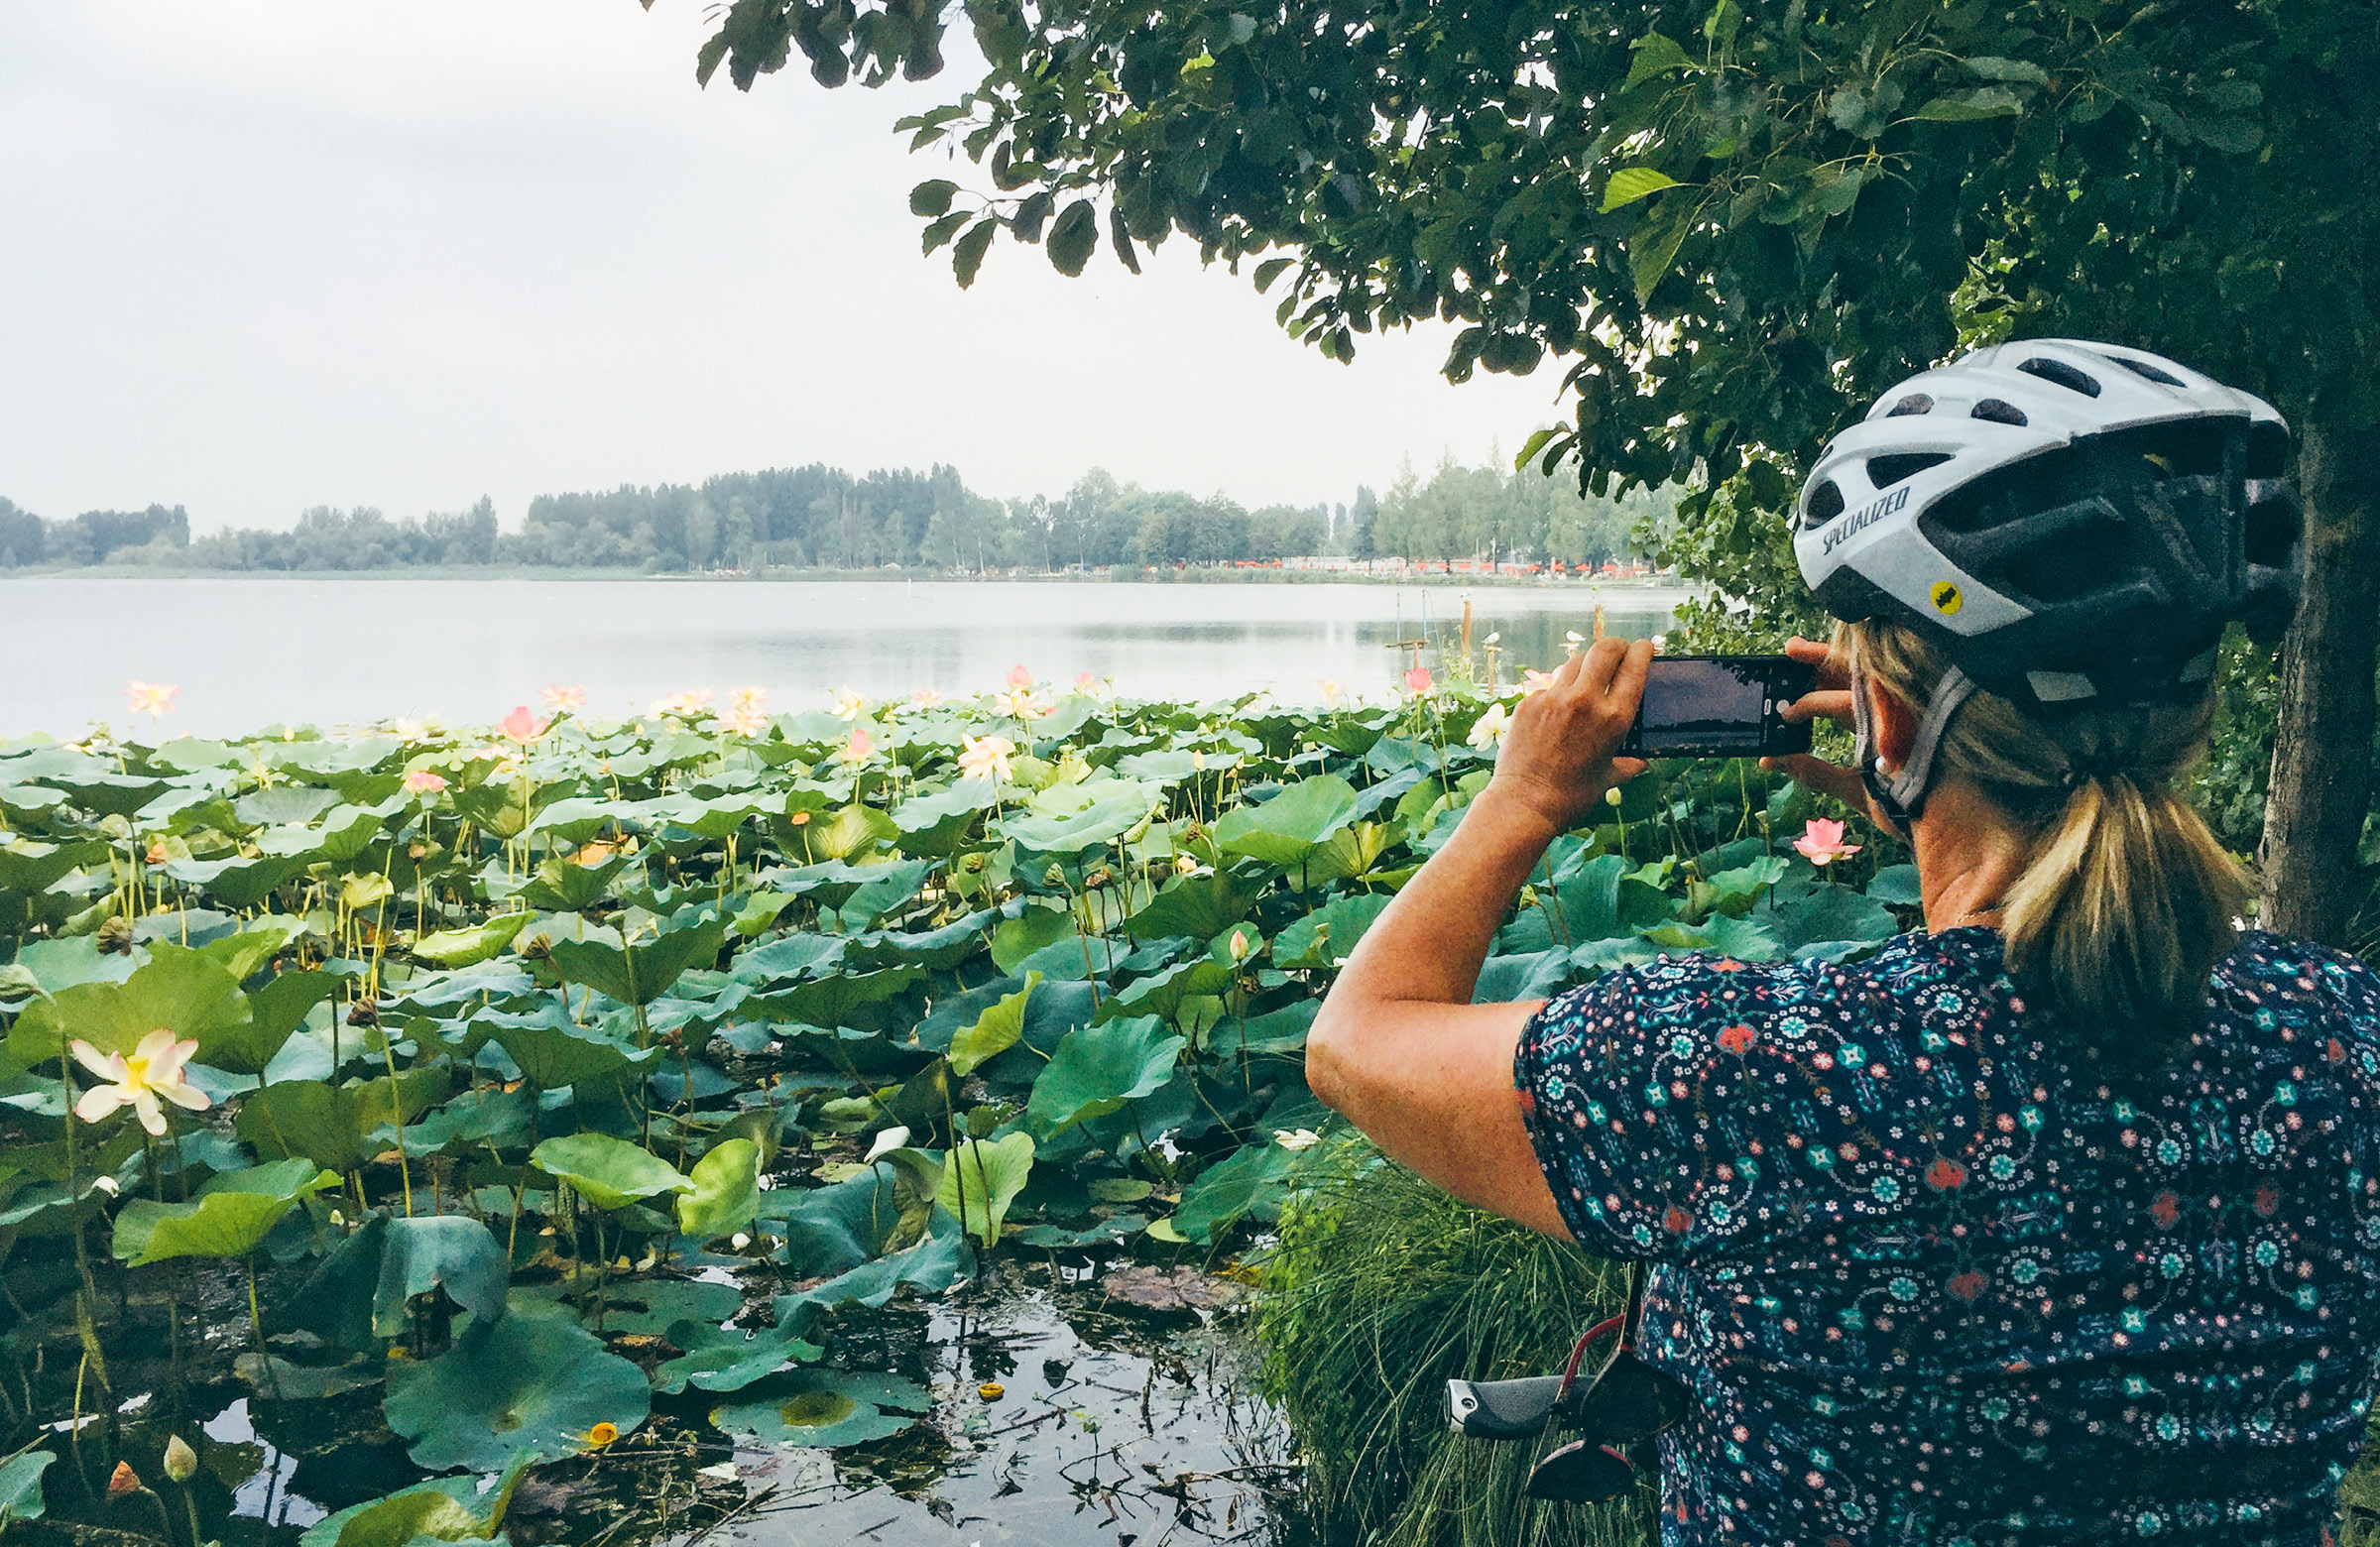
x: 1971, y: 915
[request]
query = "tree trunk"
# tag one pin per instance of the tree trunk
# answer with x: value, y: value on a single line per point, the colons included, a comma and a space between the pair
x: 2321, y: 783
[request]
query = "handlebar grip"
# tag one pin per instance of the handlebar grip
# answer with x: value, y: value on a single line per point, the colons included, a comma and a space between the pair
x: 1502, y: 1410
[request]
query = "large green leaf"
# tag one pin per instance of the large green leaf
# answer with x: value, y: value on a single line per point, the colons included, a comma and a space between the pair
x: 177, y: 990
x: 639, y: 973
x: 1097, y: 1069
x: 229, y: 1218
x: 834, y: 1228
x: 468, y: 947
x: 1252, y: 1182
x: 993, y: 1033
x: 526, y: 1383
x: 980, y: 1180
x: 426, y: 1253
x: 1292, y: 824
x: 21, y: 1485
x: 1328, y: 935
x: 1200, y: 906
x: 334, y: 1126
x: 1106, y: 818
x: 727, y: 1191
x: 275, y: 1009
x: 554, y: 1056
x: 610, y: 1173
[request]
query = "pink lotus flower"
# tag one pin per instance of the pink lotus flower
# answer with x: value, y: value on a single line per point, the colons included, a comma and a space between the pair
x: 138, y: 1079
x: 1084, y: 681
x: 563, y: 700
x: 746, y: 720
x: 151, y: 698
x: 859, y: 747
x: 1417, y: 681
x: 984, y: 756
x: 422, y: 782
x: 1020, y: 677
x: 1017, y: 703
x: 1334, y: 691
x: 683, y: 706
x: 1822, y: 842
x: 926, y: 697
x: 521, y: 726
x: 1533, y: 681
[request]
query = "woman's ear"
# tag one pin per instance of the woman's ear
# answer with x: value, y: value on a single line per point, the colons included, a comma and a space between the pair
x: 1895, y: 724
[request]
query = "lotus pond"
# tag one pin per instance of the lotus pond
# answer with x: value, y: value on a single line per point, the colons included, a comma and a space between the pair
x: 859, y: 1125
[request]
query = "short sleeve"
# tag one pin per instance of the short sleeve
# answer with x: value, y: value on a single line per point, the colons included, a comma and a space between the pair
x: 1652, y: 1101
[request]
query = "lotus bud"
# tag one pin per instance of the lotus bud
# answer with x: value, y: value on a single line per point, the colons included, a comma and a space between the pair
x: 122, y: 1481
x: 182, y: 1461
x: 115, y: 937
x: 108, y: 1184
x: 1239, y: 945
x: 158, y: 853
x: 1612, y: 796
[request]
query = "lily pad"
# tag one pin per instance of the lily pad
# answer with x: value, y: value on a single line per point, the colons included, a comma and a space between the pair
x: 994, y: 1032
x: 639, y: 973
x: 1097, y: 1069
x: 823, y: 1408
x: 610, y: 1173
x: 229, y: 1218
x: 1292, y: 824
x: 526, y: 1383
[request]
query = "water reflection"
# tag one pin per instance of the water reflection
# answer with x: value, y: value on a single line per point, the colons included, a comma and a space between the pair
x: 249, y: 652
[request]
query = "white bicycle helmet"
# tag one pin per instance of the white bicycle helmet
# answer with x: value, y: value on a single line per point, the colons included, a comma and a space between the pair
x: 2070, y: 523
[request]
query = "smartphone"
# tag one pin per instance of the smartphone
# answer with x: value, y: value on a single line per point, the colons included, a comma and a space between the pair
x: 1719, y: 706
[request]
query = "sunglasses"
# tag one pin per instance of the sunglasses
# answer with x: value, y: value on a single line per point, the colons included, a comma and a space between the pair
x: 1625, y: 1401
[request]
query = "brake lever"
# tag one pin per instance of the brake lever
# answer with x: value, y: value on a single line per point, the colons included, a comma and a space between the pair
x: 1502, y: 1410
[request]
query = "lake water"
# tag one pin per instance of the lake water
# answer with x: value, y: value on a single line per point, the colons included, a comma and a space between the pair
x: 249, y: 652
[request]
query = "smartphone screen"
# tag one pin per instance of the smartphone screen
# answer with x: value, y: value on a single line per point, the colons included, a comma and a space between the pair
x: 1719, y: 706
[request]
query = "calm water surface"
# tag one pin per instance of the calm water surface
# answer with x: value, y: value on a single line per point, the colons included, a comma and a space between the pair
x: 249, y: 652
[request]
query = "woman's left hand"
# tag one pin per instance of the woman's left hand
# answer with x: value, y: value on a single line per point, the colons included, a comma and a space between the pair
x: 1557, y: 759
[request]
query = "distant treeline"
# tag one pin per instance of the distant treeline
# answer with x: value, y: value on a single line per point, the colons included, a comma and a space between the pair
x: 821, y: 517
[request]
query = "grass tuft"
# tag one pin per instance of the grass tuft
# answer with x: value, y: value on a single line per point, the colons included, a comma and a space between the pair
x: 1382, y: 1290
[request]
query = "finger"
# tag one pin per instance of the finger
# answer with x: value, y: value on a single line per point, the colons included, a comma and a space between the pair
x: 1810, y: 653
x: 1844, y: 785
x: 1628, y: 681
x: 1568, y: 672
x: 1625, y: 768
x: 1818, y: 706
x: 1603, y: 662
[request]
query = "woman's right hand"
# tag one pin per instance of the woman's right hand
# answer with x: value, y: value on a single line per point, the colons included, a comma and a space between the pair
x: 1829, y: 700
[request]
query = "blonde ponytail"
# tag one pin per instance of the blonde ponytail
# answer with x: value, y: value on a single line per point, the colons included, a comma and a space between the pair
x: 2128, y: 899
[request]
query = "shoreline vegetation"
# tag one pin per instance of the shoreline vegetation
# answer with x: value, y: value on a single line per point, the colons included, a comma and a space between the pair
x: 822, y: 519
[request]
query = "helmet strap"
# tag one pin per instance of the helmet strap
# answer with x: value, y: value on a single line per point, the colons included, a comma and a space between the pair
x: 1903, y: 796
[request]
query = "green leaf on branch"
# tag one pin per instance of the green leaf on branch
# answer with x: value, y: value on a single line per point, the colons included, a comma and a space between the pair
x: 967, y: 258
x: 1074, y: 237
x: 1627, y: 185
x: 1654, y: 55
x: 932, y: 198
x: 1969, y: 106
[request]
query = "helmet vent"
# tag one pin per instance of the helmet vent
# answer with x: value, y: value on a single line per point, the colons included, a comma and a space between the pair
x: 1999, y: 413
x: 1915, y: 402
x: 1826, y: 503
x: 2143, y: 368
x: 1885, y: 471
x: 2063, y: 375
x: 2268, y: 450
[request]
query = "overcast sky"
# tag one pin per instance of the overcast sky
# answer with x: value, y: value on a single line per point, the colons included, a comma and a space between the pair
x: 261, y: 255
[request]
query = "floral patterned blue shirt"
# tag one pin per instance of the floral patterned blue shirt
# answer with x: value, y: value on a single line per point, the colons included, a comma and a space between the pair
x: 1933, y: 1279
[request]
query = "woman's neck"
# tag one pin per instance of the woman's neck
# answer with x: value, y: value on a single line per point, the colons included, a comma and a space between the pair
x: 1969, y: 853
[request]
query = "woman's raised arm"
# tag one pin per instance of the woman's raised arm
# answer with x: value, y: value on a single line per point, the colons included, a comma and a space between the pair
x: 1399, y: 1047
